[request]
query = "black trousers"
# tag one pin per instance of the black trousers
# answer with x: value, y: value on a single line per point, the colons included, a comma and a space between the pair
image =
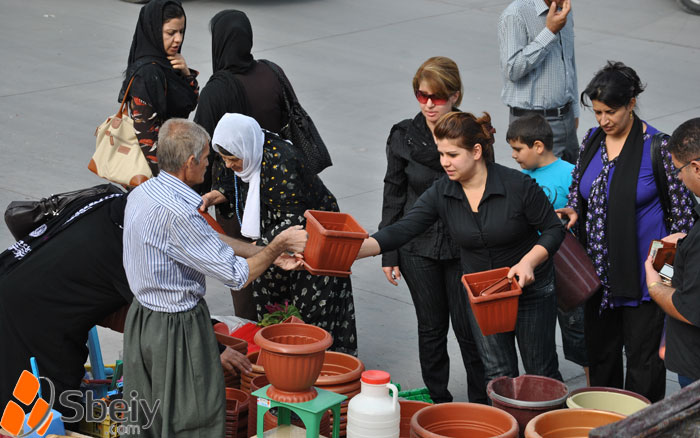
x: 638, y: 330
x: 438, y: 297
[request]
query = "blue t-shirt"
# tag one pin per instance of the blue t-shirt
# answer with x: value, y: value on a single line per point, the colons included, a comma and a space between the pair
x: 555, y: 179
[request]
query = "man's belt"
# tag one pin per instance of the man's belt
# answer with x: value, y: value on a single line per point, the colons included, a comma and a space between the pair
x: 552, y: 112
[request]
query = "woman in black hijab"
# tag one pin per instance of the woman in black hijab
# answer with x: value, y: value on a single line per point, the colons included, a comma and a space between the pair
x: 157, y: 66
x: 239, y: 84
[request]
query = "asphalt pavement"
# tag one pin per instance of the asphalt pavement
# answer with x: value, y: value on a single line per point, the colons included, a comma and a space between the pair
x: 351, y: 63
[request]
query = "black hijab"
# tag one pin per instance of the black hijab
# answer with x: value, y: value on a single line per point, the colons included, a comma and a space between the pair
x: 166, y: 89
x: 231, y: 42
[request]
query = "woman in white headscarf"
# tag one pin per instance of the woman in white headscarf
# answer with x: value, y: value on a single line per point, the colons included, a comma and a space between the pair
x: 278, y: 192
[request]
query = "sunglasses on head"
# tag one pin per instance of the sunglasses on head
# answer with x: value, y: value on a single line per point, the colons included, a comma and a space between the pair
x: 437, y: 100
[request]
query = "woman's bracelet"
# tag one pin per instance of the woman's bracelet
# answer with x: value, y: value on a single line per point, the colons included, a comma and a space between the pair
x: 654, y: 283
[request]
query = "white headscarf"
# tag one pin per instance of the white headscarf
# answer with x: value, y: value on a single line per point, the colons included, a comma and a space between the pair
x: 242, y: 137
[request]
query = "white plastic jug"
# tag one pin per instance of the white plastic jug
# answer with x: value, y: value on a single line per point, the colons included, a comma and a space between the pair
x: 373, y: 413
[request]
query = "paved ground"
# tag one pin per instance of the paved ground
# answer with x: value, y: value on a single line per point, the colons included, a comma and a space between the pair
x: 351, y: 63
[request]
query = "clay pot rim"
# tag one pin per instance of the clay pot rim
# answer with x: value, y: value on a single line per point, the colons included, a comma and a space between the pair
x: 608, y: 389
x: 531, y: 432
x: 323, y: 339
x: 422, y: 432
x: 511, y: 402
x: 231, y: 341
x: 344, y: 360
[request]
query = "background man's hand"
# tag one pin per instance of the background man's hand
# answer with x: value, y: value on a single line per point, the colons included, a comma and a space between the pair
x: 557, y: 19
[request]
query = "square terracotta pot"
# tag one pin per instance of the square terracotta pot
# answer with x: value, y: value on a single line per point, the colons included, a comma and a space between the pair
x: 334, y: 241
x: 497, y: 312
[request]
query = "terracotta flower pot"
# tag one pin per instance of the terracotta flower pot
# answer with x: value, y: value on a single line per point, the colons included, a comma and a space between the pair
x: 463, y: 420
x: 602, y: 398
x: 408, y: 409
x: 334, y: 241
x: 239, y: 345
x: 569, y: 423
x: 293, y: 320
x: 292, y: 355
x: 527, y: 396
x: 496, y: 312
x: 338, y: 369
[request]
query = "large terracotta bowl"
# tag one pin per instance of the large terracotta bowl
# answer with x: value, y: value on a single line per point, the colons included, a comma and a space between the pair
x: 569, y: 423
x: 462, y: 420
x: 292, y: 355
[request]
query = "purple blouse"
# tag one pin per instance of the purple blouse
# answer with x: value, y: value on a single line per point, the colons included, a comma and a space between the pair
x: 649, y: 213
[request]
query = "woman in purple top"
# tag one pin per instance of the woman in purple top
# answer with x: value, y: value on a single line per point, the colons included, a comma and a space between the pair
x: 617, y: 197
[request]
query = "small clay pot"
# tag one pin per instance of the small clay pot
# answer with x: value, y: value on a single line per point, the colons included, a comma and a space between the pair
x: 292, y: 355
x: 463, y: 420
x: 255, y: 384
x: 239, y: 345
x: 569, y: 423
x: 339, y: 368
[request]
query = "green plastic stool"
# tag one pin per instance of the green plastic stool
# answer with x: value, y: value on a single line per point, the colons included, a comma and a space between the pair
x: 310, y: 412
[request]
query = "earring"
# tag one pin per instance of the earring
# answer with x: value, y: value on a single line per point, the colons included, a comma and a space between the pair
x: 632, y: 115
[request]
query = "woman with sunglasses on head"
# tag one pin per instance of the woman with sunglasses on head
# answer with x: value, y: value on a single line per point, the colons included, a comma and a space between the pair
x: 499, y: 217
x: 618, y: 199
x: 430, y: 262
x: 163, y: 84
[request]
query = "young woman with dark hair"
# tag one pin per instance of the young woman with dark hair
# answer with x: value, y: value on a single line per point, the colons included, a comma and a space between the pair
x: 498, y: 217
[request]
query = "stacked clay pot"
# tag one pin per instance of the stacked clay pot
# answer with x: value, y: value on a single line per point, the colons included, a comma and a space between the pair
x: 463, y: 420
x: 237, y: 403
x: 230, y: 379
x: 341, y: 374
x: 292, y: 355
x: 258, y: 370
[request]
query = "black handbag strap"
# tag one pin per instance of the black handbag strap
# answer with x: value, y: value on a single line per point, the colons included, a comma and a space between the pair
x: 657, y: 166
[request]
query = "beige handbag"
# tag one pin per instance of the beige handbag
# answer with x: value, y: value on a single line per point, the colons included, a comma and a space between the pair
x: 118, y: 157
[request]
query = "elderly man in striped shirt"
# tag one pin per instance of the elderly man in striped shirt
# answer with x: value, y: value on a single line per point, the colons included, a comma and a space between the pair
x: 536, y: 41
x: 171, y: 358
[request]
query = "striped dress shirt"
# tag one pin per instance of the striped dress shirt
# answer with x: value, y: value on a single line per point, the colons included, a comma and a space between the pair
x: 538, y: 67
x: 169, y: 248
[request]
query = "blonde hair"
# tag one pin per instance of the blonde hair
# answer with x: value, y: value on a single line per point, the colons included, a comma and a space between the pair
x: 442, y: 75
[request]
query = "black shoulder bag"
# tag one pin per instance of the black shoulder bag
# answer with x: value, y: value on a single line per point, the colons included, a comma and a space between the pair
x: 300, y: 129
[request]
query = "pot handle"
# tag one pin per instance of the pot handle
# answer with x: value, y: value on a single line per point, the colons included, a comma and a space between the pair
x: 395, y: 394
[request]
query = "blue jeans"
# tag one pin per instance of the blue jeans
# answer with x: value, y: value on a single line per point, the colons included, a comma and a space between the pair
x: 684, y: 381
x: 573, y: 339
x: 534, y: 331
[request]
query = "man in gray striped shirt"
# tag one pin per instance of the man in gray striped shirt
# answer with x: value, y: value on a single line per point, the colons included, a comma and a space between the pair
x: 171, y: 357
x: 536, y: 41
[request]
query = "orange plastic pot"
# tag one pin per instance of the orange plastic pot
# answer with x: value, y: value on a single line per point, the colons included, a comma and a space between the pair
x: 334, y: 241
x: 339, y: 368
x: 255, y: 384
x: 495, y: 313
x: 462, y: 420
x: 408, y: 409
x: 237, y: 344
x: 569, y: 423
x: 292, y: 355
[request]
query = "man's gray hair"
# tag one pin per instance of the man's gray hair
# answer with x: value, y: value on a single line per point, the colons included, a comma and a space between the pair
x: 177, y: 140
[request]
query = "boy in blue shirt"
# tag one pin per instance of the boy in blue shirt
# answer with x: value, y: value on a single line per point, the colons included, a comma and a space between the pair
x: 531, y: 139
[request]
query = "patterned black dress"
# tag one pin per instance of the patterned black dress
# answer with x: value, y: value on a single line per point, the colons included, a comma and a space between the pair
x: 286, y: 192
